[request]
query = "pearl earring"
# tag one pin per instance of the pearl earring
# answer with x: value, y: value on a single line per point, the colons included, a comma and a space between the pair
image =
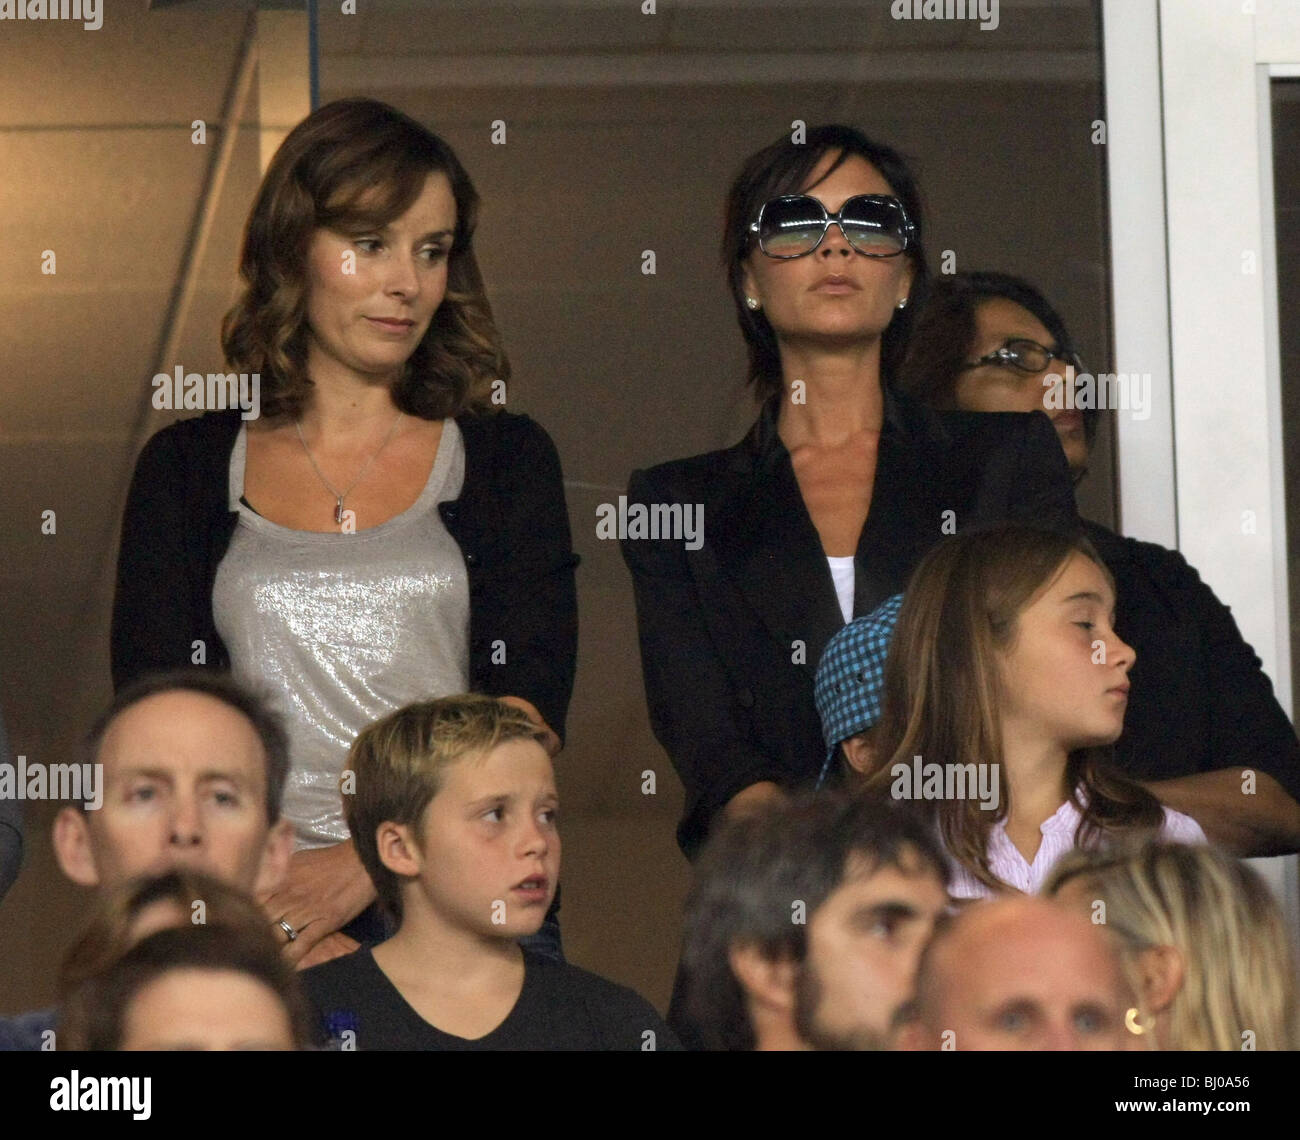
x: 752, y: 302
x: 902, y: 304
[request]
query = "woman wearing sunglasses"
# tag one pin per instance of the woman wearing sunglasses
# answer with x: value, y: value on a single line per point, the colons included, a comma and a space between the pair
x: 1201, y: 709
x: 384, y: 532
x: 821, y: 512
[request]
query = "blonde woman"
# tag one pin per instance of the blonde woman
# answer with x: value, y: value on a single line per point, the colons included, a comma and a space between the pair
x: 1202, y: 939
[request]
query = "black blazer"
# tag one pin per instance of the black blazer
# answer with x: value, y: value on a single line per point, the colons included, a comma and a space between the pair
x: 510, y: 522
x: 731, y: 633
x: 1200, y: 699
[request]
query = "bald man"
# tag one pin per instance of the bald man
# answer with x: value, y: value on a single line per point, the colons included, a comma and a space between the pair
x: 1019, y: 973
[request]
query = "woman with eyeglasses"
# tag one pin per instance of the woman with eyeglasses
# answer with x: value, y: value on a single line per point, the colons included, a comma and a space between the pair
x: 384, y: 531
x: 1201, y: 711
x: 822, y: 511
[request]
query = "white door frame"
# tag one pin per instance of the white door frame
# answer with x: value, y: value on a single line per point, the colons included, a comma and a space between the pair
x: 1195, y: 294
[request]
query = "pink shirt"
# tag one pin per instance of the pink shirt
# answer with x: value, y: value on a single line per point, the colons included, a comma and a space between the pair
x: 1058, y: 837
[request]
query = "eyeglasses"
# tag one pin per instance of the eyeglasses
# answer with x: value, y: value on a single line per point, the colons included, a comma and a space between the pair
x: 1027, y: 356
x: 794, y: 225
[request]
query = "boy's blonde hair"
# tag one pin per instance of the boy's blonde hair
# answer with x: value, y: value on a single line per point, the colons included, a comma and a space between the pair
x: 398, y: 764
x: 1239, y: 968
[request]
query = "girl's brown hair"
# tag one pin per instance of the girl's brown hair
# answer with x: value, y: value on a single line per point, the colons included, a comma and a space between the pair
x: 943, y: 680
x: 359, y: 164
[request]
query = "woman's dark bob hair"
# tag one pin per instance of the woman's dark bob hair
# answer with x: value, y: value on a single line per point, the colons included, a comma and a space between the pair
x: 783, y: 168
x: 358, y: 164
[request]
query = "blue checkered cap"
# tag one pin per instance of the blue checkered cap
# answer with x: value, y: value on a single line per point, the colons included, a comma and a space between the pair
x: 851, y: 674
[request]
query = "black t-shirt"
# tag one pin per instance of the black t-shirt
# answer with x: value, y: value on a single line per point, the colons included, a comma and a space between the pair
x: 559, y: 1007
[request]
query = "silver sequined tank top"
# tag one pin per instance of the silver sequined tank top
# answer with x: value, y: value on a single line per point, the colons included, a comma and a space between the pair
x: 343, y: 628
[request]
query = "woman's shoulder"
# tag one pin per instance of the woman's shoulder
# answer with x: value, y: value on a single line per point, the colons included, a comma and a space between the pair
x: 706, y: 474
x: 496, y: 428
x: 691, y: 469
x: 196, y: 448
x: 198, y: 433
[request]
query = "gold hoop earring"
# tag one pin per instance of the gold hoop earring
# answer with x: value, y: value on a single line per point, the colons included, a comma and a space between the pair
x: 1136, y: 1024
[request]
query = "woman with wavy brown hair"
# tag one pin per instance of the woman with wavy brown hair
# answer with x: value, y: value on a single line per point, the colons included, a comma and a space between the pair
x: 383, y: 532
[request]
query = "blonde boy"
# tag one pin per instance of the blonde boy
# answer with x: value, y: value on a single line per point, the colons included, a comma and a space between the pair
x: 452, y: 806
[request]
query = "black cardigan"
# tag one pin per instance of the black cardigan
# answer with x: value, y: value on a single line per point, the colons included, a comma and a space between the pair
x: 510, y: 521
x: 731, y: 633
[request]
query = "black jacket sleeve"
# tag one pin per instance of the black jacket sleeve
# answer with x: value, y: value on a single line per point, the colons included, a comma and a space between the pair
x: 524, y: 612
x: 692, y: 701
x: 1248, y: 728
x: 154, y: 602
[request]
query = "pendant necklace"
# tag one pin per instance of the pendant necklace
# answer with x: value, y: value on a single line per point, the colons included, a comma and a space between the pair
x: 339, y: 496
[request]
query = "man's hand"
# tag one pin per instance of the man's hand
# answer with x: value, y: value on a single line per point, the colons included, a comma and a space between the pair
x: 324, y: 890
x: 550, y: 741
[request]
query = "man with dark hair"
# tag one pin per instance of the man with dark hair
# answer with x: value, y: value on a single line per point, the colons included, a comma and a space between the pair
x: 805, y: 924
x: 190, y: 769
x: 1202, y: 710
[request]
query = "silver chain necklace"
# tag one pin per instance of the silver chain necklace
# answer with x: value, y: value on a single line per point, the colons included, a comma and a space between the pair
x: 339, y: 496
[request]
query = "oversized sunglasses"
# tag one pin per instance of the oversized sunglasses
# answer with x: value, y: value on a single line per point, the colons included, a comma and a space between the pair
x: 1027, y: 356
x: 794, y: 225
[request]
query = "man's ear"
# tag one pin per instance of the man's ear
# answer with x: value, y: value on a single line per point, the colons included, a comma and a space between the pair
x: 766, y: 981
x: 72, y: 847
x: 860, y: 753
x: 398, y: 850
x: 276, y: 854
x: 1160, y: 972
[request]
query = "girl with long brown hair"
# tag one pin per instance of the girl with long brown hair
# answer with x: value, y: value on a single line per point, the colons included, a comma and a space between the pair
x: 1005, y: 686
